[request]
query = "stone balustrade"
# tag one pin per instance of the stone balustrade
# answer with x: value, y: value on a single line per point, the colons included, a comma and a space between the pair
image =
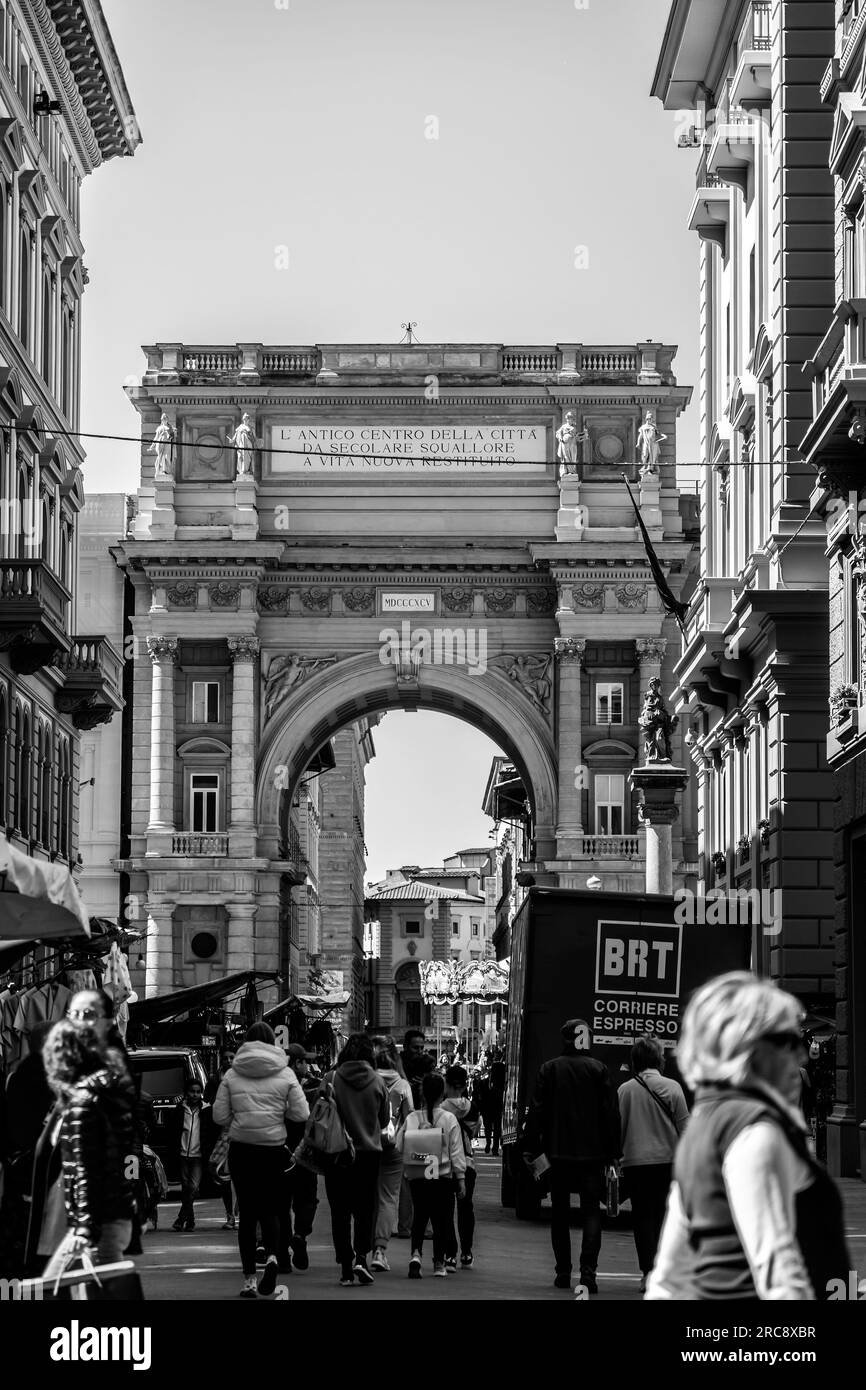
x: 610, y: 846
x: 193, y: 844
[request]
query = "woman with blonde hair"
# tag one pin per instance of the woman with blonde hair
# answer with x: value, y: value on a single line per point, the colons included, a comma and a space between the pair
x: 751, y: 1215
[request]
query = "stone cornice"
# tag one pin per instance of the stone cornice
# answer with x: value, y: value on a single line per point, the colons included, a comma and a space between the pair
x: 93, y: 82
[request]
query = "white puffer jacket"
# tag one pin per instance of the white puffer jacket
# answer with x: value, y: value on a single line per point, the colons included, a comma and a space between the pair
x: 258, y: 1094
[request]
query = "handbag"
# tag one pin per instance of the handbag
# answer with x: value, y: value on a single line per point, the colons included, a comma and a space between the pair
x: 115, y: 1283
x: 218, y: 1163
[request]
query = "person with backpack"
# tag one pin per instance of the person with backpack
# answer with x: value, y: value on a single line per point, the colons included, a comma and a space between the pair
x: 653, y: 1114
x: 431, y: 1144
x: 468, y: 1117
x: 391, y: 1167
x: 256, y: 1097
x: 351, y: 1184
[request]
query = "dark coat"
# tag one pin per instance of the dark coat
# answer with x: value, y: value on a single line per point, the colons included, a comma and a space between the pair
x: 574, y: 1114
x: 96, y: 1142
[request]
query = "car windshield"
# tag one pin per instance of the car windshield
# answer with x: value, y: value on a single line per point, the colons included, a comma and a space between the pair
x: 160, y: 1077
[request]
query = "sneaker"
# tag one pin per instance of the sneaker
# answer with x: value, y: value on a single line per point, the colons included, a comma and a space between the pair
x: 347, y: 1277
x: 467, y: 1260
x: 439, y: 1270
x: 284, y: 1264
x: 587, y: 1278
x: 260, y: 1255
x: 415, y: 1266
x: 300, y: 1258
x: 249, y: 1289
x: 190, y: 1226
x: 268, y: 1281
x: 380, y: 1261
x: 643, y: 1280
x: 177, y: 1226
x: 451, y: 1264
x: 562, y: 1281
x: 362, y: 1273
x: 228, y: 1225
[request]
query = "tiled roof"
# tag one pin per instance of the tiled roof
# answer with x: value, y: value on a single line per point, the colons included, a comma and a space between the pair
x: 421, y: 892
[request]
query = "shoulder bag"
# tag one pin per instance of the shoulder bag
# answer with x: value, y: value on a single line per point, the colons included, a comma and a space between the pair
x: 660, y: 1103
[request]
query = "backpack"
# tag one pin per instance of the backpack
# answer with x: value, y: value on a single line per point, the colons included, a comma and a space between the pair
x: 389, y: 1133
x: 325, y: 1132
x: 423, y: 1151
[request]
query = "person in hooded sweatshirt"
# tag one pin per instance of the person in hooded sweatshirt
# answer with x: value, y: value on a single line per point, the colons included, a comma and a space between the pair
x: 401, y: 1105
x: 362, y: 1100
x: 468, y: 1116
x: 433, y: 1176
x: 256, y: 1097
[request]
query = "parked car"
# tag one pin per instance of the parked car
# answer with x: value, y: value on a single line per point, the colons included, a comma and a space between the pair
x: 165, y: 1073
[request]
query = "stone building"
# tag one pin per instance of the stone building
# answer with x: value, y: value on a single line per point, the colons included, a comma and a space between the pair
x: 324, y: 533
x: 743, y: 79
x: 64, y: 110
x: 834, y: 446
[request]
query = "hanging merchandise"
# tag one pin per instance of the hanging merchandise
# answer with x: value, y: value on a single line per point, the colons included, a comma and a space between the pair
x: 118, y: 986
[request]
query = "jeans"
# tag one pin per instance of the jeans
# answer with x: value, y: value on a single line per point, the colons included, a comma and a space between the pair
x: 404, y: 1209
x: 647, y: 1186
x: 299, y: 1195
x: 493, y: 1124
x: 190, y: 1182
x: 388, y: 1199
x: 431, y: 1201
x: 256, y: 1171
x: 113, y: 1240
x: 465, y: 1218
x: 351, y: 1191
x: 587, y: 1180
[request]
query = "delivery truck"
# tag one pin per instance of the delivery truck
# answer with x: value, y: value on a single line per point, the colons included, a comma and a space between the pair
x: 626, y: 964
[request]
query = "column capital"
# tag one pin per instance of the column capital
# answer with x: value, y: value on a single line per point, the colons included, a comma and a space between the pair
x: 650, y: 648
x: 161, y: 649
x: 243, y: 648
x: 569, y: 649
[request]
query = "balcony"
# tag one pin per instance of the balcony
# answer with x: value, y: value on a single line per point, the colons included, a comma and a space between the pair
x: 733, y: 148
x: 33, y: 609
x: 93, y: 672
x: 196, y: 844
x: 838, y: 373
x: 752, y: 84
x: 610, y: 846
x: 293, y: 864
x: 711, y: 210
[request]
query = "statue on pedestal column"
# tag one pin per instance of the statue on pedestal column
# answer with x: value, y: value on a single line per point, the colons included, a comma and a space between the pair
x: 657, y: 725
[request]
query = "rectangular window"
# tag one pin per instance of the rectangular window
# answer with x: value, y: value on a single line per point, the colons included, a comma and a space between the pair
x: 476, y: 928
x: 204, y: 800
x: 413, y: 1013
x: 412, y: 929
x: 608, y: 702
x: 205, y: 702
x: 609, y: 804
x: 455, y: 928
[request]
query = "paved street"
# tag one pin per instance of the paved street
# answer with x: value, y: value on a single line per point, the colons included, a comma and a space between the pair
x: 513, y: 1259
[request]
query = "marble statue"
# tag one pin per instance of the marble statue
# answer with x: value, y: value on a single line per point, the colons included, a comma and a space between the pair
x: 163, y: 447
x: 568, y: 436
x: 649, y: 444
x: 285, y: 674
x: 657, y: 725
x: 531, y: 674
x: 244, y: 441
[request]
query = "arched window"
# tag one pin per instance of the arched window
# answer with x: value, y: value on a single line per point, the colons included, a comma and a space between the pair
x: 45, y: 770
x: 64, y: 554
x: 23, y: 771
x: 24, y: 287
x: 45, y: 538
x: 64, y: 791
x: 21, y: 520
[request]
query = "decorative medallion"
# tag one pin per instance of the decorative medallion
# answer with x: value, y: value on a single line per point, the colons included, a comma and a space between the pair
x: 588, y: 595
x: 632, y: 596
x: 316, y: 599
x: 499, y: 601
x: 183, y: 595
x: 540, y: 602
x: 457, y: 600
x: 359, y: 599
x: 224, y: 595
x: 273, y: 599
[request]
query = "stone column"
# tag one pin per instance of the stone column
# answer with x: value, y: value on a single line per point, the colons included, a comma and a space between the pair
x: 660, y: 782
x: 650, y: 652
x: 159, y: 949
x: 163, y: 654
x: 569, y: 652
x: 243, y: 651
x: 242, y: 943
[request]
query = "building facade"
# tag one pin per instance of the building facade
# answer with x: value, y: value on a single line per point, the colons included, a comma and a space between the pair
x: 752, y: 684
x: 834, y: 446
x: 64, y: 110
x: 324, y: 533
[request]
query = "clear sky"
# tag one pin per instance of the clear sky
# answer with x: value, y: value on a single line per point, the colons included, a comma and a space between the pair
x: 304, y: 126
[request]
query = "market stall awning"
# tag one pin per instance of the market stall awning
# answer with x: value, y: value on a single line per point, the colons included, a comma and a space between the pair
x: 38, y: 900
x: 184, y: 1001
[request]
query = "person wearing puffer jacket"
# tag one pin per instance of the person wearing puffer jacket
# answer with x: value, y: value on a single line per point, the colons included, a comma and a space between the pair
x: 257, y: 1095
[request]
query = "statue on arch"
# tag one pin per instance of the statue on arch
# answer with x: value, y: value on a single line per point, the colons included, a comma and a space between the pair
x: 244, y: 441
x: 568, y: 436
x: 649, y: 445
x: 163, y: 447
x: 285, y: 674
x: 657, y: 725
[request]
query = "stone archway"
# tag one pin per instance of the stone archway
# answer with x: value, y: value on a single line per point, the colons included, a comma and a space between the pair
x: 362, y: 685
